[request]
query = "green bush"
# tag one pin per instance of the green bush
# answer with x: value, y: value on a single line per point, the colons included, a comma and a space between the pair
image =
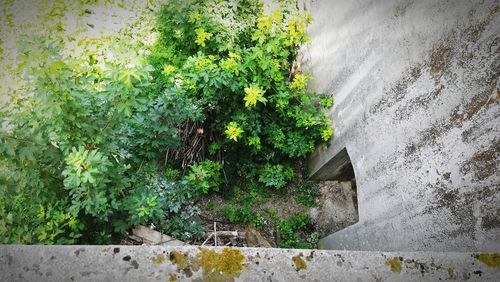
x: 234, y: 62
x: 205, y: 176
x: 81, y: 136
x: 24, y: 220
x: 292, y: 232
x: 275, y: 176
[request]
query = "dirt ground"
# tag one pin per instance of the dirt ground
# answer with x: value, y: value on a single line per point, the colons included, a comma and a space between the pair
x: 336, y: 209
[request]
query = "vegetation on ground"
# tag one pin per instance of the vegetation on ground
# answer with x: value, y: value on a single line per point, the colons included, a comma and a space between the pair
x: 131, y: 131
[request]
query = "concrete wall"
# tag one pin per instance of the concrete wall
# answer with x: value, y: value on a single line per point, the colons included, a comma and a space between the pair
x: 190, y: 263
x: 417, y: 105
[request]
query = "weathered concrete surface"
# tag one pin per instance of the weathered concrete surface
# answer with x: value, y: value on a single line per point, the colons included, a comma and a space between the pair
x: 157, y: 263
x: 337, y: 207
x: 417, y: 107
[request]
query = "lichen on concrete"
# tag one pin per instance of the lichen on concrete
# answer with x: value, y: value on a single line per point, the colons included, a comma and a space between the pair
x: 179, y: 259
x: 490, y: 259
x: 224, y: 265
x: 451, y: 273
x: 159, y: 259
x: 396, y: 264
x: 299, y: 263
x: 59, y: 263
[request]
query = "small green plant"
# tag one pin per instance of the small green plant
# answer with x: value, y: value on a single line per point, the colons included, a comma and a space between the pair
x: 205, y: 176
x: 166, y: 203
x: 241, y: 208
x: 172, y: 173
x: 272, y: 213
x: 143, y: 205
x: 292, y: 232
x: 242, y: 213
x: 307, y: 193
x: 211, y: 206
x: 275, y: 176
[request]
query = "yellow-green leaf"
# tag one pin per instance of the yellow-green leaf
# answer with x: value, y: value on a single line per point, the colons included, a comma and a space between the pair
x: 233, y: 131
x: 253, y: 95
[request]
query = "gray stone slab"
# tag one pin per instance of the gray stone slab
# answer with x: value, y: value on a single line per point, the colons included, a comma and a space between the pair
x: 189, y: 263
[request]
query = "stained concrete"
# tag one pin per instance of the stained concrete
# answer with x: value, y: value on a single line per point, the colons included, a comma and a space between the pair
x: 417, y: 106
x: 187, y: 263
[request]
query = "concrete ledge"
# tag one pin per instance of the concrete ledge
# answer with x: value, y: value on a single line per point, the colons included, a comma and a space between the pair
x: 158, y: 263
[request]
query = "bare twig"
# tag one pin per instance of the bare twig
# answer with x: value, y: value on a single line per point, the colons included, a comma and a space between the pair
x: 208, y: 238
x: 215, y: 233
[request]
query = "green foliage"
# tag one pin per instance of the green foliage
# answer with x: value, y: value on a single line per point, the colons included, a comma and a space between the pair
x: 275, y: 176
x: 84, y: 142
x: 86, y: 175
x: 292, y: 232
x: 241, y: 208
x: 211, y: 206
x: 81, y: 136
x: 239, y: 212
x: 205, y: 176
x: 307, y: 193
x: 166, y: 203
x: 24, y: 220
x: 234, y: 61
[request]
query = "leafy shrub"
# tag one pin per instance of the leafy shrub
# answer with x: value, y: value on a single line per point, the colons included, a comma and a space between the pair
x: 292, y: 230
x: 205, y: 176
x: 23, y: 220
x: 81, y: 136
x: 275, y: 176
x: 235, y: 62
x: 166, y: 203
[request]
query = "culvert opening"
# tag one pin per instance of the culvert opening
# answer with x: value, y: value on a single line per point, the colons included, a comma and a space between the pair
x: 338, y: 203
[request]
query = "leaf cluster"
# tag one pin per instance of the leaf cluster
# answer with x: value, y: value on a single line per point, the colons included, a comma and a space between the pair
x: 292, y: 232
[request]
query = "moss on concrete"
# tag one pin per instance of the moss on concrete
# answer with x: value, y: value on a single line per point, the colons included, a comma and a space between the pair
x: 299, y: 263
x: 395, y: 264
x: 229, y: 263
x: 159, y: 259
x: 451, y: 274
x: 179, y: 259
x: 490, y: 259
